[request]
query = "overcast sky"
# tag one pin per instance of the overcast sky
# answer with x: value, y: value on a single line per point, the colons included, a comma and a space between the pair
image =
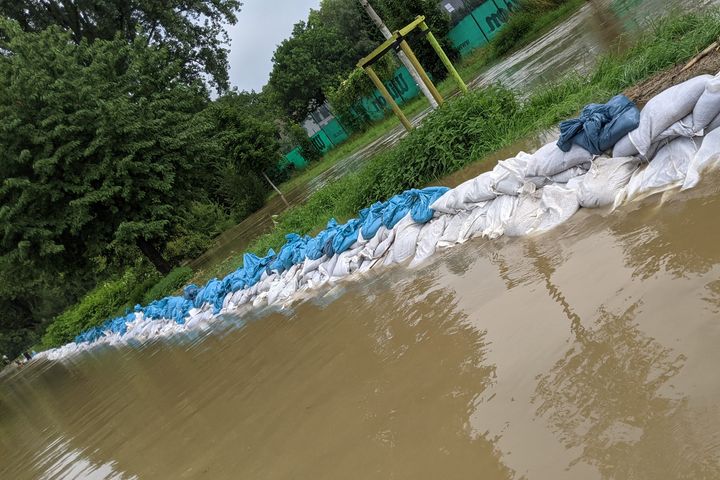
x: 262, y: 25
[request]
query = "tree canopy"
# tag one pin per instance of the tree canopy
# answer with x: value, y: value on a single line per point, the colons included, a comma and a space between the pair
x: 192, y: 31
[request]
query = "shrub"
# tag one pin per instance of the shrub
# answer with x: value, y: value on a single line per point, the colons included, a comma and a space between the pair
x: 169, y: 284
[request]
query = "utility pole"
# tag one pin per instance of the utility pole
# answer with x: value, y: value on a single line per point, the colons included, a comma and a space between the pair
x: 401, y: 55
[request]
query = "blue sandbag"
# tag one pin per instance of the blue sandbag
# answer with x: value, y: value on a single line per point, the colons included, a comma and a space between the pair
x: 397, y: 207
x: 213, y: 293
x: 373, y: 220
x: 346, y: 235
x: 421, y: 201
x: 189, y: 292
x: 599, y: 126
x: 292, y: 253
x: 315, y: 246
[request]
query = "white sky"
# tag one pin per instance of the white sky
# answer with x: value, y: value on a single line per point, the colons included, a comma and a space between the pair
x: 261, y: 26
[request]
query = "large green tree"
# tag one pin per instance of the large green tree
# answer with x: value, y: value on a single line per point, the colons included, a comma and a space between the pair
x: 97, y: 147
x: 192, y: 31
x: 318, y: 53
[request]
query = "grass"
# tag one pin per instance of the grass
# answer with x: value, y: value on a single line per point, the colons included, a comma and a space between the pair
x: 470, y: 127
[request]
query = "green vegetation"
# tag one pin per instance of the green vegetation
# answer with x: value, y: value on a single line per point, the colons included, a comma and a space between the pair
x: 470, y: 127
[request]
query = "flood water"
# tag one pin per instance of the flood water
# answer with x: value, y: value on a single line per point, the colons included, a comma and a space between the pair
x: 597, y: 28
x: 589, y: 352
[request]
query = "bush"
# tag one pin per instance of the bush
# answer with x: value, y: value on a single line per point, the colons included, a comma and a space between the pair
x: 169, y: 284
x: 108, y: 300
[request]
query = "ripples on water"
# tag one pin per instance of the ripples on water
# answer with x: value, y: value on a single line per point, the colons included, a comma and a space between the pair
x: 589, y: 352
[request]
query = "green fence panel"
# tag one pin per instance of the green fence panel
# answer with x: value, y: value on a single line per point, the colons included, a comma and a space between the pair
x: 335, y: 132
x: 481, y: 25
x: 295, y: 157
x: 402, y: 88
x: 321, y: 141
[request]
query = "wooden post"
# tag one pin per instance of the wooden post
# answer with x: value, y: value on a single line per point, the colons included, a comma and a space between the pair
x: 276, y: 189
x: 413, y: 59
x: 388, y: 98
x: 441, y: 53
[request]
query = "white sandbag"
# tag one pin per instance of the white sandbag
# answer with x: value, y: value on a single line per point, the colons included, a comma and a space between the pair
x: 715, y: 124
x: 567, y: 175
x: 526, y: 216
x: 466, y: 195
x: 624, y: 148
x: 475, y: 223
x: 550, y: 160
x: 384, y: 246
x: 498, y: 213
x: 681, y: 128
x: 509, y: 175
x: 312, y: 265
x: 666, y: 108
x: 406, y: 236
x: 428, y: 239
x: 707, y: 156
x: 666, y: 171
x: 559, y: 203
x: 328, y: 267
x: 452, y: 229
x: 708, y: 106
x: 604, y: 181
x: 347, y: 263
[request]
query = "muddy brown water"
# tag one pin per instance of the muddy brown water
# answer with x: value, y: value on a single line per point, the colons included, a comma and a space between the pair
x: 599, y: 27
x: 589, y: 352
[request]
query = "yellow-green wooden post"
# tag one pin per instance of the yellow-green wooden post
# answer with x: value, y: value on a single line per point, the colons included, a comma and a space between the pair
x: 388, y: 98
x: 441, y: 53
x: 423, y: 75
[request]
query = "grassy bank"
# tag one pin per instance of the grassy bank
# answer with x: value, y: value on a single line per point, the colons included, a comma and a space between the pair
x: 473, y: 126
x: 466, y: 129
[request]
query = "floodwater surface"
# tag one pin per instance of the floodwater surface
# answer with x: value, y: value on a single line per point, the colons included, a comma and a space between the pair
x: 589, y: 352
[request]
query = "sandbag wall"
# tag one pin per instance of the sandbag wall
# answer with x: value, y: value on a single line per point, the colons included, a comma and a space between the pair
x: 667, y: 145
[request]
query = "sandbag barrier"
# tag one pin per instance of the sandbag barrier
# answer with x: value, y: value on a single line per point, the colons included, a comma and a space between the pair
x: 676, y: 139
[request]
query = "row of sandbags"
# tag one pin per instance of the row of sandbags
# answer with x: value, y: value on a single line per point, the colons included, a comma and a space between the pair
x: 675, y: 140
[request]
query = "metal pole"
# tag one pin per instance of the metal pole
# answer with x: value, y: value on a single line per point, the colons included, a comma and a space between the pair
x: 276, y: 189
x: 401, y: 55
x: 388, y: 98
x: 413, y: 59
x: 445, y: 60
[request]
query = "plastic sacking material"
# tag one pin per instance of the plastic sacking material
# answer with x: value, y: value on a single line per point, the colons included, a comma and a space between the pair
x: 468, y: 194
x: 421, y: 200
x: 428, y: 239
x: 498, y: 214
x: 600, y: 126
x: 406, y: 235
x: 526, y: 216
x: 667, y: 170
x: 559, y: 203
x: 474, y: 224
x: 508, y: 176
x: 707, y: 156
x: 707, y: 106
x: 663, y: 110
x: 625, y: 148
x: 550, y: 160
x: 605, y: 180
x: 346, y: 236
x: 373, y: 220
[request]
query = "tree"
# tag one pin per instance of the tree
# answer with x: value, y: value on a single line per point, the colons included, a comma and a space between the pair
x: 97, y: 147
x: 319, y: 51
x: 192, y: 31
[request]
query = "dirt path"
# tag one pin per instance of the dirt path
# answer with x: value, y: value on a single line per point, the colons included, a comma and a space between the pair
x: 707, y: 62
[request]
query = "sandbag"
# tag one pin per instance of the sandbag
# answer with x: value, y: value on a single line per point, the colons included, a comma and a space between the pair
x: 558, y: 204
x: 466, y: 195
x: 405, y: 244
x: 708, y: 106
x: 498, y: 214
x: 624, y: 148
x: 666, y: 108
x: 428, y: 239
x: 604, y: 181
x: 452, y: 229
x: 600, y: 126
x: 508, y: 176
x: 708, y: 155
x: 475, y: 223
x: 666, y: 171
x: 526, y: 216
x: 550, y: 160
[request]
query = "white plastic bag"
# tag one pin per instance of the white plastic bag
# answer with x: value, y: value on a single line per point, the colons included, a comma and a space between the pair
x: 604, y: 181
x: 707, y: 106
x: 406, y: 236
x: 559, y: 204
x: 526, y: 216
x: 666, y: 171
x: 498, y: 214
x: 428, y: 239
x: 666, y: 108
x: 708, y: 155
x: 550, y: 160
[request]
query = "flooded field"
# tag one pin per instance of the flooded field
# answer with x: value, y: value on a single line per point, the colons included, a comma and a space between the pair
x: 589, y: 352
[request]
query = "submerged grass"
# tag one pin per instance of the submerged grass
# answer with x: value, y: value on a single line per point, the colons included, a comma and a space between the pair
x: 470, y: 127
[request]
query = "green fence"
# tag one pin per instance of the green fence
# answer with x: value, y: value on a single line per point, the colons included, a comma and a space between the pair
x: 401, y: 86
x: 481, y: 25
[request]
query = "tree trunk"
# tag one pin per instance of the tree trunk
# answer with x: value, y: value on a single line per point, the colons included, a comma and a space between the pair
x: 154, y: 255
